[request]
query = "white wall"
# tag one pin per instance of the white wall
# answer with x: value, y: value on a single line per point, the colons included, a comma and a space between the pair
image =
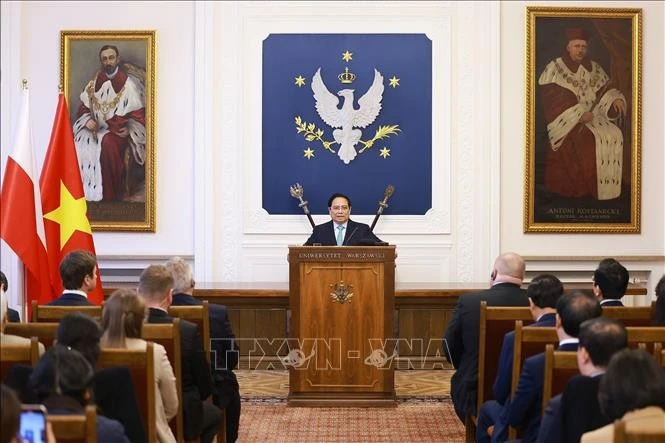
x: 642, y: 253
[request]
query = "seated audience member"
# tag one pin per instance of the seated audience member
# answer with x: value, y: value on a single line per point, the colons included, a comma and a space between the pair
x: 8, y: 339
x: 523, y: 410
x: 12, y: 314
x: 201, y: 419
x: 610, y: 282
x: 225, y: 349
x: 659, y: 315
x: 78, y: 271
x: 62, y: 380
x: 632, y: 390
x: 460, y: 342
x: 113, y: 388
x: 543, y: 292
x: 577, y: 410
x: 10, y: 412
x: 122, y: 323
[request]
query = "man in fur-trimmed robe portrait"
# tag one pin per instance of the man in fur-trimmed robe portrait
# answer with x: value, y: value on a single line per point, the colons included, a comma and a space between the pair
x: 583, y: 114
x: 109, y: 130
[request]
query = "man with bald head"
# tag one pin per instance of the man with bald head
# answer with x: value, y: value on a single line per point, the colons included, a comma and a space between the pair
x: 461, y: 337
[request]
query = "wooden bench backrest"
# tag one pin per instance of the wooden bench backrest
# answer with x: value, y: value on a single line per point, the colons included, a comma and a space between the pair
x: 495, y: 322
x: 10, y: 355
x: 45, y: 332
x: 75, y: 428
x: 141, y: 366
x: 560, y: 366
x: 636, y: 435
x: 200, y: 315
x: 46, y: 313
x: 168, y: 335
x: 630, y: 315
x: 650, y: 338
x: 529, y: 341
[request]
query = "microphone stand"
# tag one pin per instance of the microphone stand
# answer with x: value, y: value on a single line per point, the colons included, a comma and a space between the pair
x: 382, y: 204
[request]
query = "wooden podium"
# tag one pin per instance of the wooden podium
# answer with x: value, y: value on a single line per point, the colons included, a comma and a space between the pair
x: 342, y: 349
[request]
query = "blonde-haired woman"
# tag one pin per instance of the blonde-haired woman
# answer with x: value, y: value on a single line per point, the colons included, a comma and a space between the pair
x: 122, y: 321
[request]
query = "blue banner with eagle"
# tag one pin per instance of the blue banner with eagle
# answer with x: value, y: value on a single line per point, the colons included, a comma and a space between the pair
x: 347, y: 113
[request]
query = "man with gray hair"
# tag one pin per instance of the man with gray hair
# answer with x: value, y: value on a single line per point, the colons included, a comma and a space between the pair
x: 225, y: 349
x: 461, y: 337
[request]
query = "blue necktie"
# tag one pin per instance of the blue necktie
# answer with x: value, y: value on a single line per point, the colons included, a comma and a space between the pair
x: 340, y: 235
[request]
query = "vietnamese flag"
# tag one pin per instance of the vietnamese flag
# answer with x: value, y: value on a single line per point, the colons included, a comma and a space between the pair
x: 63, y: 201
x: 21, y: 223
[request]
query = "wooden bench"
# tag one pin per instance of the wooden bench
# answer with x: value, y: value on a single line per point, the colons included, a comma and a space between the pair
x: 631, y: 315
x: 46, y: 313
x: 45, y: 332
x: 10, y: 355
x: 560, y: 366
x: 649, y: 338
x: 141, y: 366
x: 75, y: 428
x: 622, y: 435
x: 495, y: 322
x: 168, y: 335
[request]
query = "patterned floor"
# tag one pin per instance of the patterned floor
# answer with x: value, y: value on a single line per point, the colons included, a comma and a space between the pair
x: 408, y: 383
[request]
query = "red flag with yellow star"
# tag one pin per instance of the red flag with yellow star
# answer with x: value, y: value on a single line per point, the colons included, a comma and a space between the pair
x: 63, y: 201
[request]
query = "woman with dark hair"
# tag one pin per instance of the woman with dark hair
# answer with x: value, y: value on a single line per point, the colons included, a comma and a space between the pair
x: 113, y: 388
x: 659, y: 315
x: 62, y: 381
x: 122, y: 322
x: 632, y: 390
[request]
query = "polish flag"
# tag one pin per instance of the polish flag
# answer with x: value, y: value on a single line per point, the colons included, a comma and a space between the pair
x: 65, y: 209
x: 21, y: 223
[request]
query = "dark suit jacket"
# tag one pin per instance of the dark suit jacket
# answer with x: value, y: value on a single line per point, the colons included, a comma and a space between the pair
x: 196, y: 375
x: 580, y: 410
x: 355, y: 234
x: 70, y: 299
x: 611, y: 302
x: 504, y: 375
x: 461, y: 341
x: 13, y: 316
x: 113, y: 394
x: 523, y: 411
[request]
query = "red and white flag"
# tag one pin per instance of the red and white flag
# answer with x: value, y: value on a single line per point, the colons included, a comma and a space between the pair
x: 21, y: 223
x: 65, y: 210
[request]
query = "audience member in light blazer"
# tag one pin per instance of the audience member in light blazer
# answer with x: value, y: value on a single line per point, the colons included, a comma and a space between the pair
x: 122, y: 322
x: 79, y: 277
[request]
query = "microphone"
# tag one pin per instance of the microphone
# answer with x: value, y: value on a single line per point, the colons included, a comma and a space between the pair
x: 346, y: 240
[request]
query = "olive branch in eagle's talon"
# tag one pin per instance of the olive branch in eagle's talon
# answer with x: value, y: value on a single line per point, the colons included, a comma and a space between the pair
x: 382, y: 132
x: 311, y: 133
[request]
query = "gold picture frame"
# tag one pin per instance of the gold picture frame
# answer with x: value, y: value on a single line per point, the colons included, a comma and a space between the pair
x: 583, y: 120
x: 108, y: 78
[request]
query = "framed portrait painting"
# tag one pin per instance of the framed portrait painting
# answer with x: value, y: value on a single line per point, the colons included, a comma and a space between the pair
x: 108, y: 79
x: 583, y: 129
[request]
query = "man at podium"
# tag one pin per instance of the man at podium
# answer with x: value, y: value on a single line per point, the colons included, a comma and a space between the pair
x: 341, y: 231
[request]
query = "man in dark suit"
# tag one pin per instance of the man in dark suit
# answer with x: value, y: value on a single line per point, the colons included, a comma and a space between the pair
x: 577, y: 410
x: 227, y: 392
x: 461, y: 337
x: 12, y: 314
x: 523, y: 411
x: 77, y: 271
x: 200, y: 417
x: 341, y: 231
x: 610, y: 282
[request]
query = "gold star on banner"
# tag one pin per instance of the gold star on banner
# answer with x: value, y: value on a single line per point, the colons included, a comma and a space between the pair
x: 70, y: 215
x: 384, y: 152
x: 300, y: 81
x: 347, y: 56
x: 394, y: 82
x: 309, y: 153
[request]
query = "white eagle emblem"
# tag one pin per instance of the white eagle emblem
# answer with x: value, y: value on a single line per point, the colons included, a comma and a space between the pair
x: 347, y: 118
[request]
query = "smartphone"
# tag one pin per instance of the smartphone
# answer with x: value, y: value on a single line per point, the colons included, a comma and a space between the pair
x: 33, y: 424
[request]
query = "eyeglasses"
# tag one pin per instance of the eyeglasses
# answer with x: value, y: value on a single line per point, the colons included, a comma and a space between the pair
x: 340, y: 208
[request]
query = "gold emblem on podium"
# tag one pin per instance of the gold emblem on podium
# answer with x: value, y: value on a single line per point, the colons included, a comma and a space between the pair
x: 341, y: 292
